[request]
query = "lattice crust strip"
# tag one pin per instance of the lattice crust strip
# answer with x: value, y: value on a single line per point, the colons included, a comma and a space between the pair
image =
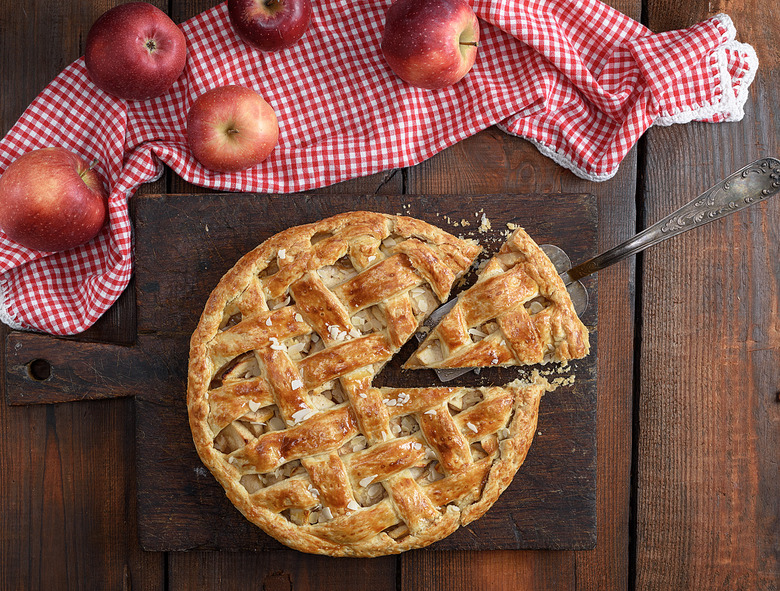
x: 517, y: 313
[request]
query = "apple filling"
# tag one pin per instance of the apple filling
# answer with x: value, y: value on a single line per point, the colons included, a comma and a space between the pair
x: 403, y: 426
x: 330, y: 395
x: 369, y: 320
x: 537, y: 304
x: 303, y: 346
x: 280, y: 302
x: 339, y: 272
x: 387, y: 245
x: 509, y: 259
x: 353, y: 445
x: 478, y: 452
x: 371, y: 494
x: 231, y: 317
x: 242, y: 367
x: 468, y: 399
x: 432, y: 353
x: 424, y: 301
x: 270, y: 269
x: 483, y: 331
x: 248, y: 427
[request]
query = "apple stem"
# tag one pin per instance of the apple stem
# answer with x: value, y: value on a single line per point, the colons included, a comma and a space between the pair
x: 94, y: 163
x: 472, y: 43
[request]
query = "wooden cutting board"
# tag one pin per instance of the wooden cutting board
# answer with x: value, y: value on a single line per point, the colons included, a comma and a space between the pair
x: 185, y: 243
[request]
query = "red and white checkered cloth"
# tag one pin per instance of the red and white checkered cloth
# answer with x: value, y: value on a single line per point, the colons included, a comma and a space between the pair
x: 578, y: 79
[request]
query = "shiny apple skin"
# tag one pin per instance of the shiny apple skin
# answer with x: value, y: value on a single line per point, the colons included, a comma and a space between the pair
x: 118, y: 56
x: 270, y: 25
x: 51, y: 200
x: 421, y: 41
x: 231, y: 128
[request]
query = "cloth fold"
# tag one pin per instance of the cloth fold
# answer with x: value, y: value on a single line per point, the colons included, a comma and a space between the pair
x: 580, y: 80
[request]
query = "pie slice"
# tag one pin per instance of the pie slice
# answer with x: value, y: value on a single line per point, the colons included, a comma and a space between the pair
x: 517, y: 313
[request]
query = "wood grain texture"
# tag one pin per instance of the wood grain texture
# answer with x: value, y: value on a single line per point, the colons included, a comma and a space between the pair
x: 186, y: 243
x: 708, y: 494
x: 68, y: 487
x: 279, y: 571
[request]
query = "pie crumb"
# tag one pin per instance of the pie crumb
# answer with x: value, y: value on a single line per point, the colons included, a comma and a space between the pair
x: 484, y: 224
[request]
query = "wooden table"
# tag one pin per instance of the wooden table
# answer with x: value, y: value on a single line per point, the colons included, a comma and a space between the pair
x: 688, y: 364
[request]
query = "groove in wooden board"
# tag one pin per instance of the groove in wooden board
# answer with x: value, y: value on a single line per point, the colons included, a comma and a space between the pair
x: 180, y: 504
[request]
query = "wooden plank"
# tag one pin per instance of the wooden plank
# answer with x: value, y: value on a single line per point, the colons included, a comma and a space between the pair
x: 67, y: 490
x: 707, y: 499
x: 493, y: 160
x: 182, y: 507
x: 489, y: 162
x: 497, y: 571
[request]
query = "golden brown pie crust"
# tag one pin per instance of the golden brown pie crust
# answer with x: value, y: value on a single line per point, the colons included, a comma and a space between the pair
x: 517, y: 313
x: 283, y: 411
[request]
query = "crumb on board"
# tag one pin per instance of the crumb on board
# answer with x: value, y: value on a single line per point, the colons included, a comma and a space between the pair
x: 484, y: 224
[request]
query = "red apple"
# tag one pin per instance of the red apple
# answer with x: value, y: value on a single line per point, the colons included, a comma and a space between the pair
x: 231, y: 128
x: 430, y: 43
x: 51, y: 200
x: 135, y: 52
x: 270, y: 25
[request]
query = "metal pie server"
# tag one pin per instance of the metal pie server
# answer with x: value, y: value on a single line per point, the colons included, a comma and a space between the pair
x: 749, y: 185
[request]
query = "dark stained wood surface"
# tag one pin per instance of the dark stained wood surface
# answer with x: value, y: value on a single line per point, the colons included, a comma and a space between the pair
x: 687, y: 402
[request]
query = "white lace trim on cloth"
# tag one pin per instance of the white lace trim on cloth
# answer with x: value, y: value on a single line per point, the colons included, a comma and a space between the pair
x: 5, y: 316
x: 561, y: 159
x: 728, y: 103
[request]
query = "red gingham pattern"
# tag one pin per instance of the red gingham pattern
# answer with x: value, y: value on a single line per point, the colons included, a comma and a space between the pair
x: 580, y: 80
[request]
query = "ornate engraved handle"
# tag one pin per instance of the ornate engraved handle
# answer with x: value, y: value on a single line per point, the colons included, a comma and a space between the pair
x: 755, y: 182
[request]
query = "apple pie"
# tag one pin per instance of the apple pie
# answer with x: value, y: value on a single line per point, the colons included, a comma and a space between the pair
x: 517, y: 313
x: 282, y: 407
